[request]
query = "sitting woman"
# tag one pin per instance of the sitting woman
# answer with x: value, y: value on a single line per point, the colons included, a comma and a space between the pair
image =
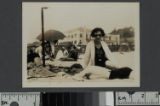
x: 97, y: 51
x: 98, y: 56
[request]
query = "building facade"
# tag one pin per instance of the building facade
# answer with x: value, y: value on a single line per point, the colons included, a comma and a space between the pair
x: 78, y: 36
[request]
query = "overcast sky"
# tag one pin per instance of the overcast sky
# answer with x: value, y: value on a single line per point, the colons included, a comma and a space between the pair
x: 66, y: 16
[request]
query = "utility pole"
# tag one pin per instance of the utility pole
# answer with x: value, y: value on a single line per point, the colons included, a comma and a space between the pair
x: 43, y: 43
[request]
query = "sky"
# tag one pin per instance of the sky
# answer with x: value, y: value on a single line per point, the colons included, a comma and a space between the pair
x: 65, y: 16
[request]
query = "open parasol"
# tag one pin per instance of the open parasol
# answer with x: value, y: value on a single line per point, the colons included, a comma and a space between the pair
x: 51, y: 35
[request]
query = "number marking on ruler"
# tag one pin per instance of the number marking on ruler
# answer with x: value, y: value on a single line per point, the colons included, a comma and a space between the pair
x: 137, y: 98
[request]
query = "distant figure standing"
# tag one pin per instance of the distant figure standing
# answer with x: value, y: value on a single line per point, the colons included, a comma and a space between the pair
x: 73, y: 53
x: 53, y: 46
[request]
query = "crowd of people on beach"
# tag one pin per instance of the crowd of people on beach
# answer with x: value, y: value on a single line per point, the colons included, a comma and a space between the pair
x: 53, y: 51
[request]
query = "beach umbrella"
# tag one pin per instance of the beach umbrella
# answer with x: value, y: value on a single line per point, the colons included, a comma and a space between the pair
x: 51, y: 35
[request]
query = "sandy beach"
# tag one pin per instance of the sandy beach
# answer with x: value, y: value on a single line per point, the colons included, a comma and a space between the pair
x: 124, y: 59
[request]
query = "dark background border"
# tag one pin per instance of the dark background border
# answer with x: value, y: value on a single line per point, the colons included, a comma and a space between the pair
x: 11, y: 46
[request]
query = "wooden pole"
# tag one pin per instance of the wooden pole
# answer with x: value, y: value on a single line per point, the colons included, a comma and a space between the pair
x: 43, y: 43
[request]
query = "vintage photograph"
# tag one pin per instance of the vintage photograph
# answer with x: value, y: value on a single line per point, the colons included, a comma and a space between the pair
x: 81, y: 44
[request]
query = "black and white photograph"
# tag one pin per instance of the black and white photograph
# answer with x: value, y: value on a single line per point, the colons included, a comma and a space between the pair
x: 80, y: 44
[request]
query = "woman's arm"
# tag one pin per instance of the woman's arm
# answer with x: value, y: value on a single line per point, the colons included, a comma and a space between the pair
x: 87, y: 55
x: 111, y: 62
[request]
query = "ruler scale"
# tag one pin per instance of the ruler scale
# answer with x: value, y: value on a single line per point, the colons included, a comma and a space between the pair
x: 138, y: 98
x: 20, y: 99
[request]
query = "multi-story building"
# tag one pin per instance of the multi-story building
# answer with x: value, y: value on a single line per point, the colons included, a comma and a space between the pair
x: 78, y: 36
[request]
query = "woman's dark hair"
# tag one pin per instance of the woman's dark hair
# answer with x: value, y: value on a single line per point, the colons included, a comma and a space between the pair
x: 97, y: 30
